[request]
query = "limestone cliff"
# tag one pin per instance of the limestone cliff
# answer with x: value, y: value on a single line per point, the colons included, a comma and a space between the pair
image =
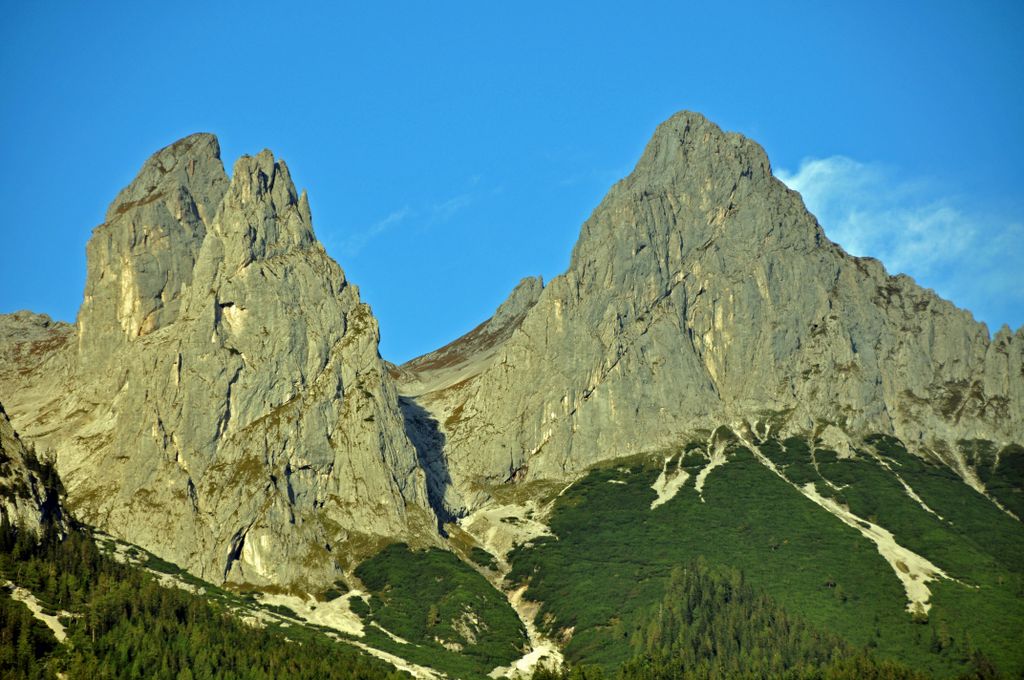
x: 701, y: 292
x: 221, y: 401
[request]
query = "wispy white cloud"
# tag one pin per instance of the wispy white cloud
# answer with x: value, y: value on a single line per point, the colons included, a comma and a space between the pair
x: 446, y: 210
x: 868, y: 209
x: 354, y: 243
x: 430, y: 215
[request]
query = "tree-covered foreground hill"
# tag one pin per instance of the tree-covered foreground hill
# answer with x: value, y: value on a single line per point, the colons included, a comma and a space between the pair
x: 713, y: 625
x: 123, y: 624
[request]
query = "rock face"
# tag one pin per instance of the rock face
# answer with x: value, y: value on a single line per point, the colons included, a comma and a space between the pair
x: 702, y: 292
x: 29, y: 496
x: 221, y: 401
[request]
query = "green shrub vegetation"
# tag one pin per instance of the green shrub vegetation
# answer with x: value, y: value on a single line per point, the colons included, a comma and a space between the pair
x: 1004, y: 478
x: 613, y: 557
x: 749, y: 579
x: 711, y: 624
x: 449, y: 614
x: 483, y: 558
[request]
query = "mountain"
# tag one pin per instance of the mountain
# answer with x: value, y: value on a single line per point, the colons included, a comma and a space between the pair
x: 220, y: 400
x: 712, y: 378
x: 702, y: 292
x: 714, y: 418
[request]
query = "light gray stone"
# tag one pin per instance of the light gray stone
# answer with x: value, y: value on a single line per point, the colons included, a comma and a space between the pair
x: 221, y: 401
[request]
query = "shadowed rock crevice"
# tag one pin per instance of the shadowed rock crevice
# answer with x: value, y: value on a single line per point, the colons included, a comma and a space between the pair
x: 423, y: 431
x: 31, y: 492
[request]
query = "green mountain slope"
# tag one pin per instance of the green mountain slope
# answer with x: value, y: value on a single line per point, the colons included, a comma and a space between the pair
x: 450, y: 617
x: 614, y: 553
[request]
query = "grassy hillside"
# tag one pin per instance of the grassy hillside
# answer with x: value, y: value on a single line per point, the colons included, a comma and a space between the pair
x: 748, y: 578
x: 613, y: 554
x: 713, y: 625
x: 451, y: 618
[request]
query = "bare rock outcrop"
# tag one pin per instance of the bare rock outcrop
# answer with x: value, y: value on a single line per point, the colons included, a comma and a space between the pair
x: 221, y: 401
x: 29, y: 490
x: 702, y: 292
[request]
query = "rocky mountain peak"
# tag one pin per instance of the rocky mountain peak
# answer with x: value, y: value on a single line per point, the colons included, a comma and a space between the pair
x: 224, y: 351
x: 142, y: 257
x: 520, y: 300
x: 192, y: 163
x: 688, y: 145
x: 262, y: 214
x: 700, y: 292
x: 226, y: 407
x: 696, y: 192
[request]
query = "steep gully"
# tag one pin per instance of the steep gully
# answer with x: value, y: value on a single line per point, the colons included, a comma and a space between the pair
x: 487, y: 527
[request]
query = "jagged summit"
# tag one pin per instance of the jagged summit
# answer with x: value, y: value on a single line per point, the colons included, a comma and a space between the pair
x: 192, y: 163
x: 694, y: 186
x: 144, y: 252
x: 687, y: 144
x: 262, y: 211
x: 221, y: 400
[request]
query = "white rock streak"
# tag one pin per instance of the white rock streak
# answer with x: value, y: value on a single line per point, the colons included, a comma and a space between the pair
x: 52, y: 621
x: 336, y: 614
x: 913, y: 570
x: 543, y: 651
x: 907, y: 488
x: 416, y: 671
x: 668, y: 484
x: 499, y: 529
x: 400, y: 640
x: 716, y: 458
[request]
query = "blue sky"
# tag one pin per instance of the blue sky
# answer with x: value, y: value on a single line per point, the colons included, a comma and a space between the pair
x: 450, y: 149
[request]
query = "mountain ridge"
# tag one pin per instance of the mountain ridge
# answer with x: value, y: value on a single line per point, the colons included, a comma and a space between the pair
x: 221, y: 357
x: 703, y: 232
x: 707, y: 358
